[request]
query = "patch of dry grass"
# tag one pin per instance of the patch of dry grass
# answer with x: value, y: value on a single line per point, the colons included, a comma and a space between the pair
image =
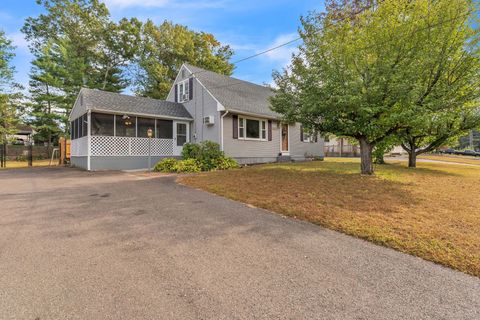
x: 24, y: 164
x: 452, y: 158
x: 432, y: 211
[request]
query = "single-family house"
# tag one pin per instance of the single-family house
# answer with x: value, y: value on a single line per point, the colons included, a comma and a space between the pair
x: 110, y: 130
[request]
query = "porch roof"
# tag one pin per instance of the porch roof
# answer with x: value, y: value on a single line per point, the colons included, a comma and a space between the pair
x: 97, y: 100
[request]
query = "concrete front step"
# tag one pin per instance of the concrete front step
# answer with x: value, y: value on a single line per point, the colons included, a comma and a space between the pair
x: 284, y: 159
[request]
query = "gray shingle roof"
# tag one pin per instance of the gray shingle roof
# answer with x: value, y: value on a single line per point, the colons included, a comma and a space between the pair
x: 116, y: 102
x: 235, y: 94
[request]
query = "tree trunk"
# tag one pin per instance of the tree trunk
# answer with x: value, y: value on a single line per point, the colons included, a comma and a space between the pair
x: 49, y: 145
x: 366, y: 163
x: 412, y: 159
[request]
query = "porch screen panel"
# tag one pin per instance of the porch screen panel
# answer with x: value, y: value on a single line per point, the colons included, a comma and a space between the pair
x: 143, y: 124
x: 164, y: 129
x: 79, y: 127
x: 102, y: 124
x: 74, y: 130
x: 125, y: 126
x: 84, y: 125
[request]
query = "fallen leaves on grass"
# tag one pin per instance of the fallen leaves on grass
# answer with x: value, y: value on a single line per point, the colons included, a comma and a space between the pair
x: 432, y: 211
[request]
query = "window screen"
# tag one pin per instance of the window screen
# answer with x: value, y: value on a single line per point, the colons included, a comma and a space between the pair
x: 143, y: 124
x: 125, y: 126
x: 84, y: 125
x: 102, y: 124
x: 164, y: 129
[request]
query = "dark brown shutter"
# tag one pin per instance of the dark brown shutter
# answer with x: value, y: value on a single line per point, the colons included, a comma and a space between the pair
x: 235, y: 126
x: 301, y: 132
x: 190, y: 89
x: 316, y: 137
x: 269, y: 130
x: 176, y: 92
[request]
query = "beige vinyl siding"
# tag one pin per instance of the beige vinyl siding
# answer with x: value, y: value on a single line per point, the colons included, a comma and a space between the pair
x: 263, y: 151
x: 300, y: 149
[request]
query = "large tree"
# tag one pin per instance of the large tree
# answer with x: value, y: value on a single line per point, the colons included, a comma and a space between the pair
x: 75, y: 45
x: 166, y: 47
x: 358, y: 71
x: 47, y: 99
x: 444, y: 101
x: 8, y: 109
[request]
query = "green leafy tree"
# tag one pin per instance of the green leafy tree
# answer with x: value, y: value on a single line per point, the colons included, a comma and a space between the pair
x: 357, y: 73
x: 444, y: 101
x: 166, y: 47
x: 8, y: 109
x: 47, y: 100
x: 75, y: 45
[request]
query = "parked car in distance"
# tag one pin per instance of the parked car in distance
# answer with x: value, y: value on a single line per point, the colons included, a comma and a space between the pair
x: 448, y: 151
x: 470, y: 153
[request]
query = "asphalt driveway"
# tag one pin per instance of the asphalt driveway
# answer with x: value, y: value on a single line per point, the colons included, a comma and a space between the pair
x: 112, y: 245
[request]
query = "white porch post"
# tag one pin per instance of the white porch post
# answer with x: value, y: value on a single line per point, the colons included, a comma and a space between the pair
x: 89, y: 138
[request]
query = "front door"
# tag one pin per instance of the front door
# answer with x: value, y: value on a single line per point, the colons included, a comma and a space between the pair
x: 180, y: 137
x: 285, y: 142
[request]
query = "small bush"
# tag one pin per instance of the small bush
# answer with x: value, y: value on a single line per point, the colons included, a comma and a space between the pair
x: 166, y: 165
x: 206, y: 153
x: 204, y: 156
x: 225, y: 163
x: 191, y: 151
x: 187, y: 166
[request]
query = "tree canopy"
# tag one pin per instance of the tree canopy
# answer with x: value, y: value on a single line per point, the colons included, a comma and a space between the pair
x: 166, y: 47
x: 368, y: 69
x: 8, y: 94
x: 76, y: 44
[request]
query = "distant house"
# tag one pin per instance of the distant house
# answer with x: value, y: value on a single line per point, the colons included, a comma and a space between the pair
x: 109, y: 130
x: 343, y: 147
x: 23, y: 134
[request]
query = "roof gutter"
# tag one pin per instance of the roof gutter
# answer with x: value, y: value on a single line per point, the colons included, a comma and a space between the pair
x: 138, y: 114
x: 257, y: 115
x: 221, y: 129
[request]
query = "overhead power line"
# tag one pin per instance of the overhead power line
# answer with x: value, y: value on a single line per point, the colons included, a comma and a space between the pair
x: 364, y: 48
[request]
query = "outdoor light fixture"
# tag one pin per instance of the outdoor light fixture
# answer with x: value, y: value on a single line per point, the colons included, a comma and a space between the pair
x: 127, y: 120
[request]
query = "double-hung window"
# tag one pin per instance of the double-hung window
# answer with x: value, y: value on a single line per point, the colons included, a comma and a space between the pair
x: 252, y: 129
x: 183, y: 91
x: 307, y: 136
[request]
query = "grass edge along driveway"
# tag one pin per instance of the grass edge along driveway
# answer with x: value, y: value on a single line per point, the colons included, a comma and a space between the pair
x: 430, y: 212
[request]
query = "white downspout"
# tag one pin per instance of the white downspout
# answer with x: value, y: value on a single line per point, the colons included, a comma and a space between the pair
x: 221, y: 129
x: 89, y: 138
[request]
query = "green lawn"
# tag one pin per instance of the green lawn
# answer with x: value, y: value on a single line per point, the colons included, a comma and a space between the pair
x: 432, y: 212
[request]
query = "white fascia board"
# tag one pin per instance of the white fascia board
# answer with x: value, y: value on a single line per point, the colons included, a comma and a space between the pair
x: 220, y: 107
x: 74, y: 105
x: 139, y: 114
x: 257, y: 115
x: 176, y: 78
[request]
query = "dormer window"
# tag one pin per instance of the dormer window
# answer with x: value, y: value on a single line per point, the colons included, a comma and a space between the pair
x: 183, y: 91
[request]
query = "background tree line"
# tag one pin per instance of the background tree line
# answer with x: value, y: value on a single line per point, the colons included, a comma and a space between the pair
x: 76, y: 44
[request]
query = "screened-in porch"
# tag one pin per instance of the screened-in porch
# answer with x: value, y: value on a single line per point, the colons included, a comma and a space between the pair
x: 116, y: 136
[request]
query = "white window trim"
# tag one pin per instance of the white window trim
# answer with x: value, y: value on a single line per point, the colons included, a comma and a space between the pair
x: 244, y: 126
x: 307, y: 137
x: 185, y: 85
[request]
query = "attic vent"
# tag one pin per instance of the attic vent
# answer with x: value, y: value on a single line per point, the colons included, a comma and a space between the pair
x: 183, y: 73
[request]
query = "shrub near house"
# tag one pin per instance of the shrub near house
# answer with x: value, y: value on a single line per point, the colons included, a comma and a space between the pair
x: 204, y: 156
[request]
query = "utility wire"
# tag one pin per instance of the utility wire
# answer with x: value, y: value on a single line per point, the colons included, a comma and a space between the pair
x: 363, y: 48
x: 285, y: 43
